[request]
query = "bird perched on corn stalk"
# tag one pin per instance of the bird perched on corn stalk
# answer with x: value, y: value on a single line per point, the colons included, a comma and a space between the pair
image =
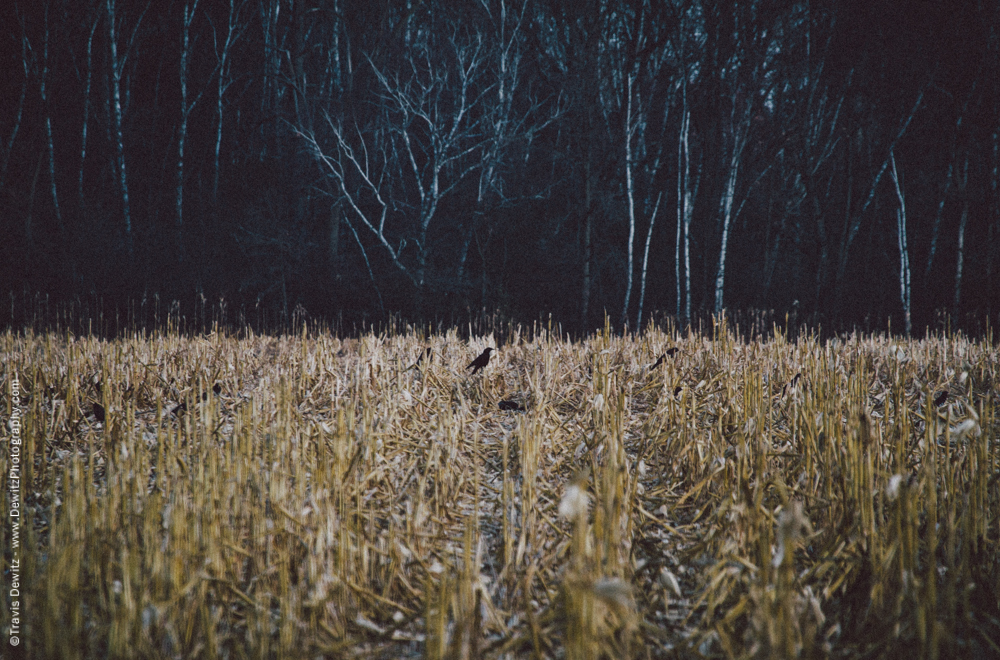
x: 480, y: 362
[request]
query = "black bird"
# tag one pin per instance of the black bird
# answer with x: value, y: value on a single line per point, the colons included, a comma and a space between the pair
x: 99, y: 412
x: 217, y: 388
x: 672, y: 351
x: 677, y: 390
x: 480, y: 362
x: 795, y: 381
x: 180, y: 408
x: 511, y: 405
x: 941, y: 398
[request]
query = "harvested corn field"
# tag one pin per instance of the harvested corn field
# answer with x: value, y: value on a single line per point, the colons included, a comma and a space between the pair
x: 311, y: 496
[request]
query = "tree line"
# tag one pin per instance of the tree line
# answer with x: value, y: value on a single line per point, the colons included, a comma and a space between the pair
x: 835, y: 161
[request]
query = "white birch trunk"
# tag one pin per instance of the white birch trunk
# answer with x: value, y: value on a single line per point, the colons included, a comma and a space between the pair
x: 688, y: 216
x: 961, y: 238
x: 680, y: 208
x: 220, y: 90
x: 49, y: 142
x: 86, y: 112
x: 727, y: 212
x: 115, y: 112
x: 188, y: 16
x: 630, y: 193
x: 645, y: 263
x: 904, y: 254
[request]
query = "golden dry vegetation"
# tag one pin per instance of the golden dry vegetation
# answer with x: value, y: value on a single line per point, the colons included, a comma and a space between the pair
x: 336, y: 498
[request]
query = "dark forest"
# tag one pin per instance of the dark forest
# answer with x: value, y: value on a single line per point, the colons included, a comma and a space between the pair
x: 835, y: 163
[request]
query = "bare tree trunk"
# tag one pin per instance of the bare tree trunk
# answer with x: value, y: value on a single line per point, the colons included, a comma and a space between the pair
x: 904, y: 253
x: 333, y: 237
x: 963, y: 185
x: 937, y: 222
x: 772, y: 249
x: 463, y: 253
x: 630, y: 192
x: 220, y: 90
x: 86, y: 112
x: 303, y: 117
x: 689, y: 194
x: 368, y: 265
x: 29, y: 222
x: 680, y: 208
x: 645, y: 263
x: 269, y: 13
x: 49, y: 143
x: 18, y: 114
x: 854, y: 225
x: 115, y: 113
x: 188, y: 16
x: 727, y: 212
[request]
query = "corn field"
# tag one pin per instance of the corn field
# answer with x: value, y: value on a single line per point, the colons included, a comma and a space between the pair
x: 308, y: 496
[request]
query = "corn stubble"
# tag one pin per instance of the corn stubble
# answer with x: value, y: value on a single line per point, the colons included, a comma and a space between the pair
x: 792, y: 499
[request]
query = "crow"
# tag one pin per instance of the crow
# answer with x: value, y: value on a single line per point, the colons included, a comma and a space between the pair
x: 941, y: 398
x: 99, y: 412
x: 217, y: 388
x: 511, y: 405
x: 424, y: 355
x: 672, y: 351
x: 480, y: 362
x: 795, y: 381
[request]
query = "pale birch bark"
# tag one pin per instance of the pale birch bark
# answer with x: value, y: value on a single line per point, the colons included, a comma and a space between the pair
x: 645, y: 263
x: 115, y: 113
x: 904, y: 253
x: 86, y: 112
x: 187, y: 18
x: 960, y: 260
x: 630, y: 193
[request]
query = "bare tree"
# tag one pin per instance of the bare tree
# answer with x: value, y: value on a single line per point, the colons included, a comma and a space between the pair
x: 231, y: 33
x: 630, y: 126
x: 41, y: 66
x: 435, y: 126
x: 687, y: 191
x: 854, y: 225
x: 25, y: 66
x: 963, y: 183
x: 117, y: 61
x: 645, y: 262
x: 189, y: 10
x: 904, y: 252
x: 86, y: 107
x: 429, y: 132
